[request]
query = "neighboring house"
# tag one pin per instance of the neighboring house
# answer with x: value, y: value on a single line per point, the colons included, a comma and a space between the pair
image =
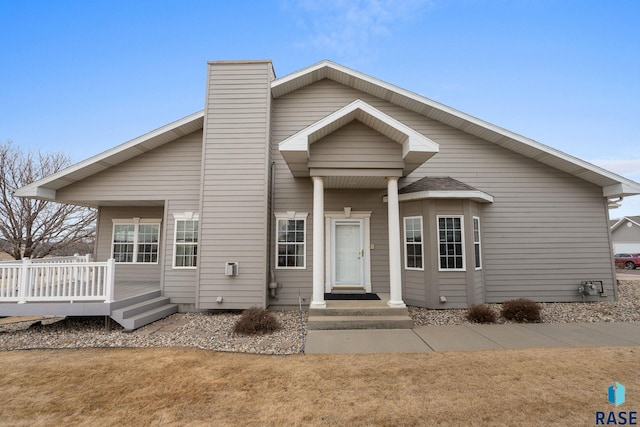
x: 329, y: 180
x: 625, y: 234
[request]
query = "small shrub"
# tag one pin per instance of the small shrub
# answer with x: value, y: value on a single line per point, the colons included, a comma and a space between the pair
x: 521, y: 310
x: 256, y: 321
x: 481, y: 313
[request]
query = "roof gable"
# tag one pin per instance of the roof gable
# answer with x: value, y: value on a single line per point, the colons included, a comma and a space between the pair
x: 416, y: 148
x: 635, y: 220
x: 46, y: 187
x: 613, y: 185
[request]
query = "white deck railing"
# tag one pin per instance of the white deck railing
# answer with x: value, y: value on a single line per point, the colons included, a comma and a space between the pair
x: 63, y: 279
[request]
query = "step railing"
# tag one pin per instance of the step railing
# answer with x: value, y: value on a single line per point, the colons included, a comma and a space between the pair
x: 57, y: 280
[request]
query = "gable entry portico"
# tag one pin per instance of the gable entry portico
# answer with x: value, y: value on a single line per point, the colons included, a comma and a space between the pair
x: 354, y: 170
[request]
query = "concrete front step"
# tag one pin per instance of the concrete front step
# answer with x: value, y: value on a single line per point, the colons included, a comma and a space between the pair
x: 358, y: 322
x: 137, y: 315
x: 359, y: 314
x: 359, y: 311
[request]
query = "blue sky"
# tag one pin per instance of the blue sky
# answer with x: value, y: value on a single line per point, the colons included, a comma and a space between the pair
x: 83, y: 76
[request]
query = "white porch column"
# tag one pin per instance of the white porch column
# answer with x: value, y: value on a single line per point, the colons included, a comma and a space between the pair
x: 317, y: 300
x: 395, y: 277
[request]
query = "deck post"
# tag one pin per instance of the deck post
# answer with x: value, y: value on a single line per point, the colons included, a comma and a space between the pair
x: 24, y: 280
x: 110, y: 281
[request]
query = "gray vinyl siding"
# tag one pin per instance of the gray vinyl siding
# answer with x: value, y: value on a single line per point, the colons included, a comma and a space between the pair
x: 128, y: 272
x: 168, y: 175
x: 460, y: 288
x: 452, y: 284
x: 414, y: 281
x: 294, y: 280
x: 356, y: 146
x: 171, y: 171
x: 541, y: 221
x: 474, y: 277
x: 178, y: 284
x: 234, y: 204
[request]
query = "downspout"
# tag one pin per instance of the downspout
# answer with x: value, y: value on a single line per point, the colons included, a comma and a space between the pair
x: 613, y: 204
x: 273, y: 283
x: 614, y: 282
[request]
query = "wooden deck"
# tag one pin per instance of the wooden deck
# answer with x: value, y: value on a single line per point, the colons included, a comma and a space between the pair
x: 75, y: 286
x: 125, y: 291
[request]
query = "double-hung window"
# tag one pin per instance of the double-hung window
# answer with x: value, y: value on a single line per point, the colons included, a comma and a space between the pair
x: 476, y: 243
x: 291, y: 240
x: 451, y: 242
x: 413, y: 243
x: 136, y: 240
x: 185, y: 244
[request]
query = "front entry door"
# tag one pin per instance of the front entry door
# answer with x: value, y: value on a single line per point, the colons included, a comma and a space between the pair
x: 348, y: 253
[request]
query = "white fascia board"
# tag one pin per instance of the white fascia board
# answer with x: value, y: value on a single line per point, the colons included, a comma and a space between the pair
x: 35, y: 192
x: 297, y: 143
x: 412, y: 141
x: 542, y: 148
x: 621, y: 189
x: 420, y: 143
x: 617, y: 224
x: 29, y: 190
x: 302, y: 138
x: 477, y: 195
x: 298, y: 74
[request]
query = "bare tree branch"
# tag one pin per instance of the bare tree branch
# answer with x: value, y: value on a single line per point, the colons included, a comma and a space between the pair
x: 37, y: 228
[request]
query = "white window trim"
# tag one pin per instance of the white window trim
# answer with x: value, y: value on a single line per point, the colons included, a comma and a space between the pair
x: 137, y: 221
x: 286, y: 216
x: 186, y: 216
x: 464, y: 265
x: 406, y: 255
x: 479, y: 243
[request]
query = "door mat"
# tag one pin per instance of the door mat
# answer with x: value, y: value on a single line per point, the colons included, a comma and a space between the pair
x: 352, y: 297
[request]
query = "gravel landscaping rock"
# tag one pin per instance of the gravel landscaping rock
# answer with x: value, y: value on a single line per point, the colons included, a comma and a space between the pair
x: 214, y: 331
x: 210, y: 331
x: 626, y: 309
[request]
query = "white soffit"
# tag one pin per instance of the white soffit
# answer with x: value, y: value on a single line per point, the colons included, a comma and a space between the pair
x: 613, y: 185
x: 416, y: 148
x: 45, y: 188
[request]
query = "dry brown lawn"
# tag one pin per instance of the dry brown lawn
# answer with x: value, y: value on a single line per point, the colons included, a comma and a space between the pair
x: 177, y: 386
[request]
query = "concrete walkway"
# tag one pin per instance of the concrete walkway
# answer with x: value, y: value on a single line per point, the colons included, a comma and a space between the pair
x: 473, y: 337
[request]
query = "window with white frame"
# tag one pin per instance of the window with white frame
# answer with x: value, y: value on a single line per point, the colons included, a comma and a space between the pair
x: 413, y: 243
x: 136, y: 240
x: 291, y: 240
x: 185, y: 242
x: 451, y: 242
x: 476, y: 242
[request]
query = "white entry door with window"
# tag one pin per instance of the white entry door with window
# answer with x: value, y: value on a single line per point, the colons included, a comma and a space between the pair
x: 348, y: 253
